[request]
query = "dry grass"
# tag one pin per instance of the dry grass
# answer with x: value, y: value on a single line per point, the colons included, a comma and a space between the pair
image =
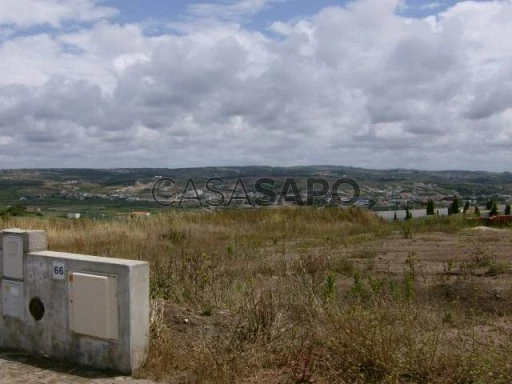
x: 304, y: 295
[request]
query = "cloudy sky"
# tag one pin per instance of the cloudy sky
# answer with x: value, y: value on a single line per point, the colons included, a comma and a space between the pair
x: 180, y: 83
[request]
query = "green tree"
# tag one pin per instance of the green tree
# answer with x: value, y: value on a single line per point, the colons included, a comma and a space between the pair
x: 455, y: 207
x: 408, y: 214
x: 430, y: 207
x: 489, y: 204
x: 477, y: 211
x: 494, y: 210
x: 507, y: 209
x: 395, y: 218
x: 15, y: 210
x: 466, y: 207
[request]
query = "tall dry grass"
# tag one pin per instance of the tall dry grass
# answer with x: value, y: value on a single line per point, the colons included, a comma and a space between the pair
x: 288, y: 296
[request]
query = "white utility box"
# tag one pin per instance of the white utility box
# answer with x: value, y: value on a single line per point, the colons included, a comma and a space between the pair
x: 93, y: 305
x: 88, y: 310
x: 13, y: 257
x: 13, y: 299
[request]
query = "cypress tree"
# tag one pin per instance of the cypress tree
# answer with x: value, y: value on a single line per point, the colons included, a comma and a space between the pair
x: 430, y: 207
x: 494, y: 210
x: 455, y: 207
x: 408, y: 214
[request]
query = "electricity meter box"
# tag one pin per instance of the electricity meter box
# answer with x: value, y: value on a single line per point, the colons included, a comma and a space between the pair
x: 88, y: 310
x: 93, y: 305
x: 13, y: 257
x: 14, y: 244
x: 12, y: 299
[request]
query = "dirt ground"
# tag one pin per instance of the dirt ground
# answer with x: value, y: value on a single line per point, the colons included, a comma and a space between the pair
x: 472, y: 268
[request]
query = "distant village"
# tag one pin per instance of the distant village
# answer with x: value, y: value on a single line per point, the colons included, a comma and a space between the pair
x: 383, y: 198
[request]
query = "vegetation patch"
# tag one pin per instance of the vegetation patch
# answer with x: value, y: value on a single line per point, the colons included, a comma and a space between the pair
x: 307, y: 295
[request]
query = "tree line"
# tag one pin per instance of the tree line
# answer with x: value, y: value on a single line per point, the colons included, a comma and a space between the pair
x: 456, y: 207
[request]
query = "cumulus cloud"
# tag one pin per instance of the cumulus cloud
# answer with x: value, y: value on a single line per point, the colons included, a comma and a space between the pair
x: 29, y: 13
x: 358, y: 85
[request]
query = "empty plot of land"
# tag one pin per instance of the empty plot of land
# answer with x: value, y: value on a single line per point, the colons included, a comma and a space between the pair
x: 308, y: 296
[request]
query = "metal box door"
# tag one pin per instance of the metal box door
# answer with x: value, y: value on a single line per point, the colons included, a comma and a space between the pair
x: 93, y: 305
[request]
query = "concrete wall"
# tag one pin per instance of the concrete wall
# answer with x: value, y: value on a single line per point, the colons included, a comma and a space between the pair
x: 52, y: 334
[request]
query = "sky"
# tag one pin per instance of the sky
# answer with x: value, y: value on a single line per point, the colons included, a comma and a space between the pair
x: 179, y: 83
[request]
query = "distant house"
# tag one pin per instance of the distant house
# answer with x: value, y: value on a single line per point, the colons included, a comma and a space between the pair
x: 73, y: 215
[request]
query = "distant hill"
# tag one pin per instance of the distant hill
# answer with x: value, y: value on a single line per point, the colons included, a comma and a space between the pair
x: 29, y: 183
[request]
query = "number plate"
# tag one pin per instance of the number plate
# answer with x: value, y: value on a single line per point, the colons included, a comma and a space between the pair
x: 58, y: 271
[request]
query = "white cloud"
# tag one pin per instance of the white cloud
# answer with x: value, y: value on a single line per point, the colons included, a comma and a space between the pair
x: 229, y: 9
x: 430, y: 6
x: 29, y: 13
x: 361, y: 85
